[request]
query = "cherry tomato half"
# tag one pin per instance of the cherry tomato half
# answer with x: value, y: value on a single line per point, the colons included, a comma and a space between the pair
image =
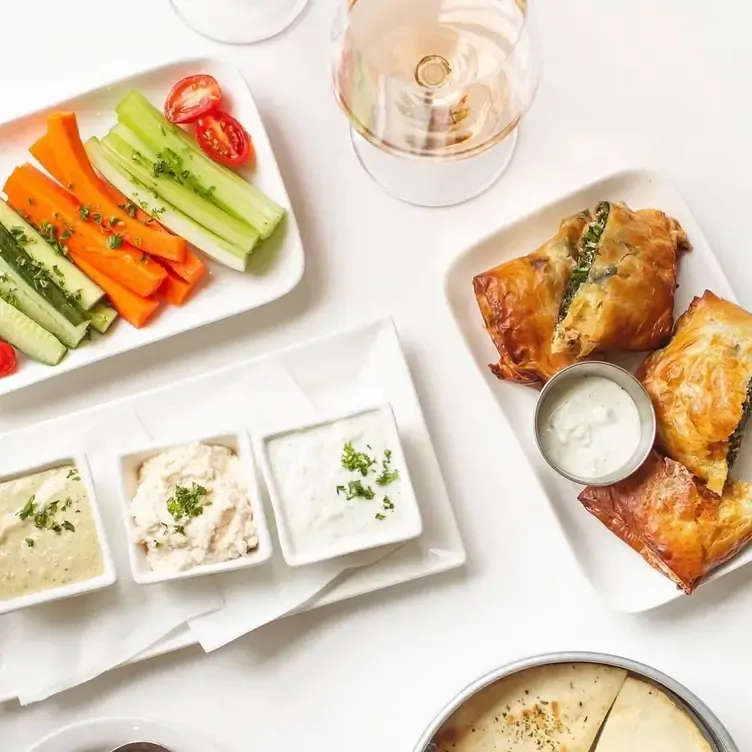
x: 192, y: 97
x: 7, y: 359
x: 224, y: 139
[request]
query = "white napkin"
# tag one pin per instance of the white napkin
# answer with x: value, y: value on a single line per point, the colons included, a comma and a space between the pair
x: 265, y: 399
x: 53, y: 647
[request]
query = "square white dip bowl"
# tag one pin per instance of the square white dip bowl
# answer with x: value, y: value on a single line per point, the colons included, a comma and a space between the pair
x: 324, y: 509
x: 130, y: 466
x: 108, y: 575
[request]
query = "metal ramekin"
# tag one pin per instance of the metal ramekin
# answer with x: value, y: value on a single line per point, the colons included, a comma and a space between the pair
x: 631, y: 386
x: 707, y: 722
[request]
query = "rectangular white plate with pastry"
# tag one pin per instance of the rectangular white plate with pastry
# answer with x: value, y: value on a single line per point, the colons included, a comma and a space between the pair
x: 619, y: 574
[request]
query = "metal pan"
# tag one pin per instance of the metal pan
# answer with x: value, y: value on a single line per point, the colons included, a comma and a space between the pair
x: 708, y: 723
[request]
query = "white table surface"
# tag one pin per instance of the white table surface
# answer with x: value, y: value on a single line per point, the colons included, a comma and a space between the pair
x: 660, y: 83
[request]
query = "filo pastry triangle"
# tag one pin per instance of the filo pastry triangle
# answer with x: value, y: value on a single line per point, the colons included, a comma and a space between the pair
x: 673, y: 521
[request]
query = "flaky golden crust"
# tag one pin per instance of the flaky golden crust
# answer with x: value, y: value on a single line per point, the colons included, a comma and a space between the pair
x: 668, y: 516
x: 698, y: 384
x: 519, y: 301
x: 627, y: 300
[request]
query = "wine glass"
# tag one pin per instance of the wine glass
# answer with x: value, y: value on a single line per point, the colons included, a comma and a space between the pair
x: 239, y: 21
x: 434, y: 91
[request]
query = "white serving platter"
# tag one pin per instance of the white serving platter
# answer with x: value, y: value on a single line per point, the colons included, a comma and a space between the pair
x: 616, y: 572
x: 275, y: 268
x: 328, y: 371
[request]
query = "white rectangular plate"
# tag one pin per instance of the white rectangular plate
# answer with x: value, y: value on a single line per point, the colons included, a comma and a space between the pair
x: 616, y: 572
x: 327, y: 371
x: 275, y: 268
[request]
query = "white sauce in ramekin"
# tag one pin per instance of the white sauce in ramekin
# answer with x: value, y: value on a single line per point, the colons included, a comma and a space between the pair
x: 590, y: 427
x: 312, y: 485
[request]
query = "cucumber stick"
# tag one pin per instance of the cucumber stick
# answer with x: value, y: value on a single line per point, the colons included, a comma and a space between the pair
x: 227, y: 189
x: 116, y: 171
x: 32, y: 292
x: 145, y: 164
x: 68, y: 277
x: 28, y: 337
x: 102, y: 317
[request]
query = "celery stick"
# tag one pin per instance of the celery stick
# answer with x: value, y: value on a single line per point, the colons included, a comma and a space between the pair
x: 227, y: 189
x: 115, y: 171
x: 143, y: 164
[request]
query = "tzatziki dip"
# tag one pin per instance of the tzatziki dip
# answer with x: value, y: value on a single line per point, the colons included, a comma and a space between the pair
x: 48, y: 536
x: 341, y: 486
x: 192, y: 507
x: 590, y: 427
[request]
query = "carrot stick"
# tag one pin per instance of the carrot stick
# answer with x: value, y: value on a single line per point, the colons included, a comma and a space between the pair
x: 45, y: 203
x: 175, y: 290
x: 191, y: 269
x: 134, y: 309
x: 73, y: 164
x: 43, y: 152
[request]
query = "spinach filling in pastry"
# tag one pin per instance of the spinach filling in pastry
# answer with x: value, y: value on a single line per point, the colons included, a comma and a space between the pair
x: 520, y: 301
x: 701, y: 387
x: 621, y: 293
x: 588, y: 249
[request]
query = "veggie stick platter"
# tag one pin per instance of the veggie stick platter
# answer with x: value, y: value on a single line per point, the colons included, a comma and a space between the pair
x: 273, y: 266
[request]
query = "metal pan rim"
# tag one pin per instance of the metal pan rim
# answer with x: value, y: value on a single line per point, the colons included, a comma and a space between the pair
x: 706, y: 720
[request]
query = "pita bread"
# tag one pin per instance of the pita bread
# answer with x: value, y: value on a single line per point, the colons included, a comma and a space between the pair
x: 644, y: 718
x: 543, y: 709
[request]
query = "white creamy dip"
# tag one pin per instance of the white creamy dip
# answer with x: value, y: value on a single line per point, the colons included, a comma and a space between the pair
x: 590, y: 427
x: 211, y: 479
x: 312, y: 486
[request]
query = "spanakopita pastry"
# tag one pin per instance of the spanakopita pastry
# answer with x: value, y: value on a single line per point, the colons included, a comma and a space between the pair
x: 520, y: 302
x: 673, y: 521
x: 644, y: 718
x: 557, y: 707
x: 621, y: 295
x: 701, y: 386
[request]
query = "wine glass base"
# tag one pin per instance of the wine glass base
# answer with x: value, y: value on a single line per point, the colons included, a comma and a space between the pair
x: 239, y: 21
x: 433, y: 183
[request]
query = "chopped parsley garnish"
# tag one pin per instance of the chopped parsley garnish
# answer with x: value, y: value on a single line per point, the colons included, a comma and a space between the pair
x: 380, y: 516
x: 115, y: 241
x: 388, y: 504
x: 113, y: 221
x: 29, y: 542
x: 97, y: 217
x: 129, y: 208
x: 44, y: 517
x: 28, y: 509
x: 73, y: 474
x: 387, y: 476
x: 357, y: 462
x: 356, y: 489
x: 20, y: 236
x: 83, y: 212
x: 187, y: 502
x: 180, y: 529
